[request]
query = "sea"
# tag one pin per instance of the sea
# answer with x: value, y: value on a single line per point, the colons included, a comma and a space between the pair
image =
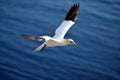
x: 96, y: 32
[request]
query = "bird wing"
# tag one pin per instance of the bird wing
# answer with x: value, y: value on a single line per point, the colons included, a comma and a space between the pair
x: 37, y: 38
x: 68, y: 22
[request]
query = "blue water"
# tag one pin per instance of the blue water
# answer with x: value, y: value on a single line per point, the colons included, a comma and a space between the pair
x: 96, y: 32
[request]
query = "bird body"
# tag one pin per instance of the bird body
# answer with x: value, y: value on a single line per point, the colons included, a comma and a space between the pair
x: 58, y: 38
x: 53, y: 43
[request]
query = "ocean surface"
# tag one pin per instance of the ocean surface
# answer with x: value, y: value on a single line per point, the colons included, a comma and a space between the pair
x: 96, y: 32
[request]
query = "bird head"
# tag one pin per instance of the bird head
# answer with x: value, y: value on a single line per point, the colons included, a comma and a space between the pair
x: 70, y: 41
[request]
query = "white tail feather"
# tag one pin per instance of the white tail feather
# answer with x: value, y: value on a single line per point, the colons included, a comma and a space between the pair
x: 39, y: 48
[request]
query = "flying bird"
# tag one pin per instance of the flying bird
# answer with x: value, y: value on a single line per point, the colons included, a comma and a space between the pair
x: 58, y: 38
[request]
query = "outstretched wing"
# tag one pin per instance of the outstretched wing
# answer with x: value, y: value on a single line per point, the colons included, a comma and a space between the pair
x: 37, y: 38
x: 33, y: 37
x: 68, y: 22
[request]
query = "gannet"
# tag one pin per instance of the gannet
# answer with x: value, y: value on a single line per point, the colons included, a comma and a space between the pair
x: 58, y: 38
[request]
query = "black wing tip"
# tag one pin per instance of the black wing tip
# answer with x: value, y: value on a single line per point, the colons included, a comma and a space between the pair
x: 23, y: 35
x: 76, y: 5
x: 26, y: 36
x: 73, y: 12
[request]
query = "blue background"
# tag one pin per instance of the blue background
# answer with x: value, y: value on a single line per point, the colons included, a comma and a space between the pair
x: 96, y: 32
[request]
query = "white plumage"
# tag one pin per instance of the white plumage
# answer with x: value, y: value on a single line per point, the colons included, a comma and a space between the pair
x: 62, y: 29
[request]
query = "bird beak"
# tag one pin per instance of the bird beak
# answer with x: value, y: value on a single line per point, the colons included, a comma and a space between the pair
x: 74, y: 43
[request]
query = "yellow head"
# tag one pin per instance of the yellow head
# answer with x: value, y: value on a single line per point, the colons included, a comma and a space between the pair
x: 70, y: 41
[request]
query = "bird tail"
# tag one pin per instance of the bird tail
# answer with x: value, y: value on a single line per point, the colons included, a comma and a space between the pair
x: 40, y: 48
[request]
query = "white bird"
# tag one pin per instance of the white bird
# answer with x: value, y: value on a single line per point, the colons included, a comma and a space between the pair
x: 58, y: 38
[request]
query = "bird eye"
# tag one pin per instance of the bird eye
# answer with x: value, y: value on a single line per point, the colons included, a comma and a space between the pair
x: 71, y: 41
